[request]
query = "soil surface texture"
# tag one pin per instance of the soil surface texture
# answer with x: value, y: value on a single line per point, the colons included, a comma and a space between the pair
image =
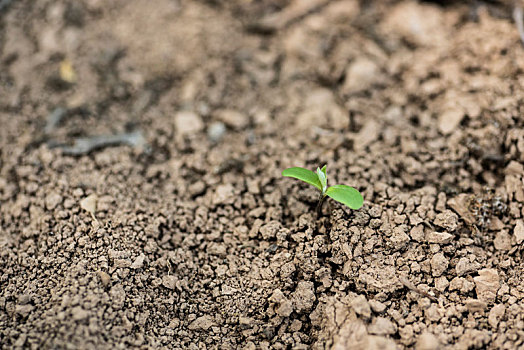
x: 141, y: 197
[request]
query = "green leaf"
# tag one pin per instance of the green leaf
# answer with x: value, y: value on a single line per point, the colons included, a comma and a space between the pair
x: 346, y: 195
x: 323, y: 179
x: 324, y: 170
x: 304, y: 175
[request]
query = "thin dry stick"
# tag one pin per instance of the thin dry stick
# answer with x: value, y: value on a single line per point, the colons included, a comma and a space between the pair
x: 408, y: 284
x: 517, y: 16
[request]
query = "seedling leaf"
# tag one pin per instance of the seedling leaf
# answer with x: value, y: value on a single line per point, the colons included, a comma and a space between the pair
x: 305, y: 175
x: 346, y: 195
x: 323, y: 180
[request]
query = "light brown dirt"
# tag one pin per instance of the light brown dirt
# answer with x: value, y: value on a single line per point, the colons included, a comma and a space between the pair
x: 194, y: 240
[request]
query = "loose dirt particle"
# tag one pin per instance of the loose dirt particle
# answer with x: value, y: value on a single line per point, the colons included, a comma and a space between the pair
x: 439, y: 237
x: 52, y: 200
x: 377, y: 306
x: 232, y: 118
x: 465, y: 266
x: 382, y: 326
x: 79, y: 313
x: 202, y: 323
x: 361, y: 306
x: 487, y: 285
x: 169, y: 281
x: 439, y: 264
x: 495, y: 315
x: 104, y: 278
x: 447, y: 220
x: 518, y: 231
x: 427, y: 341
x: 188, y: 123
x: 502, y: 240
x: 475, y: 305
x: 304, y: 296
x: 139, y: 262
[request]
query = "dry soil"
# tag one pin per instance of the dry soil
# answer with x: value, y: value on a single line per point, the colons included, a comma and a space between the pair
x: 180, y: 232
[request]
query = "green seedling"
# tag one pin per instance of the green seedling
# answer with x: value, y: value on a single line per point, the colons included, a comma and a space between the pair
x: 341, y: 193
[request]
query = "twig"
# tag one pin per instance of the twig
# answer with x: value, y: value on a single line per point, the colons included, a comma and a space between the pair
x: 84, y: 145
x: 54, y: 119
x: 296, y: 10
x: 408, y: 284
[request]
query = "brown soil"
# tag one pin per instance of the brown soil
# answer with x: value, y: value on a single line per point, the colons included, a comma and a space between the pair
x: 188, y: 237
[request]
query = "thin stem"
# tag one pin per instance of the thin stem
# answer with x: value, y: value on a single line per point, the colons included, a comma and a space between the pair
x: 319, y: 205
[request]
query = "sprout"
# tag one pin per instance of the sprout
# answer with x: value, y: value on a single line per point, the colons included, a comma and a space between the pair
x: 341, y: 193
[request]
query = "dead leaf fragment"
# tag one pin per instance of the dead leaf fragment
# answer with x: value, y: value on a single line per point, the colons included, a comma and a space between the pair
x: 89, y: 204
x: 67, y: 72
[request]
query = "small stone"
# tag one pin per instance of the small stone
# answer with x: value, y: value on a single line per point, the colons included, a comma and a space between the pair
x: 202, y: 323
x: 487, y: 284
x: 439, y: 237
x: 439, y: 264
x: 464, y: 266
x: 382, y: 326
x: 427, y: 341
x: 495, y: 315
x: 79, y: 313
x: 188, y: 122
x: 377, y: 306
x: 104, y: 278
x: 502, y: 240
x: 518, y: 231
x: 169, y: 281
x: 475, y: 305
x: 417, y: 233
x: 52, y: 200
x: 447, y: 220
x: 233, y: 118
x: 216, y: 131
x: 361, y: 306
x: 139, y: 262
